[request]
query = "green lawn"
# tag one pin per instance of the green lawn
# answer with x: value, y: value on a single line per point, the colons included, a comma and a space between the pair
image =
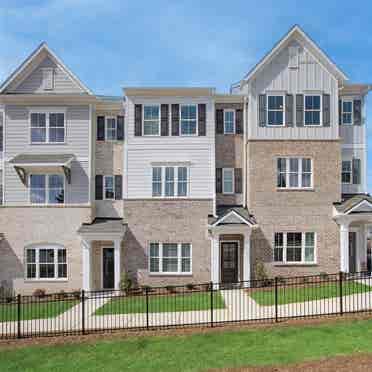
x: 41, y: 310
x: 288, y: 295
x: 162, y: 304
x: 198, y: 352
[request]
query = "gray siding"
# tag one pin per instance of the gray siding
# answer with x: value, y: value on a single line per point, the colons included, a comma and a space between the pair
x: 349, y: 154
x: 352, y: 134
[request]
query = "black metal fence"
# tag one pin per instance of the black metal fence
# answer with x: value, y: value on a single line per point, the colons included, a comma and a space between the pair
x: 265, y: 300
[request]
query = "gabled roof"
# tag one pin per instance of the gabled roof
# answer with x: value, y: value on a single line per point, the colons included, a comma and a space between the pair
x: 360, y: 203
x: 43, y: 47
x: 232, y: 215
x: 298, y: 34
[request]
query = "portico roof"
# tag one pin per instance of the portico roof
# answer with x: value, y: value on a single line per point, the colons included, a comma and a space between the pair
x: 232, y: 215
x: 359, y: 203
x: 103, y: 228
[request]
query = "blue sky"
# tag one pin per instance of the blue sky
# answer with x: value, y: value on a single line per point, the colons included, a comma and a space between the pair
x: 115, y: 43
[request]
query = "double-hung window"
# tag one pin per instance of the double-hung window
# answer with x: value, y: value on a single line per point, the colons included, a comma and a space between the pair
x: 346, y: 175
x: 294, y: 247
x: 151, y: 120
x: 229, y: 121
x: 170, y: 181
x: 228, y: 180
x: 47, y: 189
x: 170, y: 258
x: 312, y: 109
x: 111, y: 128
x: 188, y: 120
x: 157, y: 181
x: 109, y: 188
x: 294, y: 173
x: 347, y: 112
x: 46, y: 262
x: 47, y: 127
x: 275, y: 110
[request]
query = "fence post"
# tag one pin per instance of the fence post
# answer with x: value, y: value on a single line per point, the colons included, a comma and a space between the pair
x: 19, y: 335
x: 211, y: 293
x: 276, y: 299
x: 83, y: 311
x: 340, y: 287
x: 147, y: 308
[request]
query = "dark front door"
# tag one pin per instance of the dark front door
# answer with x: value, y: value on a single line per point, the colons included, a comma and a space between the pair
x: 352, y: 251
x: 229, y: 262
x: 108, y: 268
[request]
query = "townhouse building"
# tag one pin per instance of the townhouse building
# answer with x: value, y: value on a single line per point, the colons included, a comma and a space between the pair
x: 183, y: 185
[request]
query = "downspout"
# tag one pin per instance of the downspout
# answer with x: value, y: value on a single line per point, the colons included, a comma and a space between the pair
x: 245, y: 173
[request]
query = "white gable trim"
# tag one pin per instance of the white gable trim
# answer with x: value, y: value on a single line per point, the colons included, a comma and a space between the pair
x: 244, y: 221
x: 360, y: 204
x: 30, y: 59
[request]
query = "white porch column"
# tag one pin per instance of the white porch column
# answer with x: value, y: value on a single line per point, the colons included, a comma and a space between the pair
x: 215, y: 259
x: 247, y: 258
x: 344, y: 247
x: 87, y: 254
x: 117, y: 262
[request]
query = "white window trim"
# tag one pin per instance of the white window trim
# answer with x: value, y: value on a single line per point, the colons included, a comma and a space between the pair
x: 37, y: 249
x: 197, y: 121
x: 351, y: 172
x: 234, y: 121
x: 303, y: 244
x: 267, y: 110
x: 352, y: 111
x: 47, y: 188
x: 106, y: 128
x: 47, y: 111
x: 320, y: 110
x: 51, y: 71
x: 163, y: 182
x: 159, y: 120
x: 287, y: 173
x: 104, y: 186
x: 223, y: 181
x: 179, y: 260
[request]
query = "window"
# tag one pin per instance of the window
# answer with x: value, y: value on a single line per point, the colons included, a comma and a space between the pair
x: 294, y: 173
x: 48, y: 78
x: 109, y: 188
x: 174, y: 183
x: 346, y: 171
x: 312, y: 110
x: 47, y: 127
x: 47, y: 189
x: 275, y: 110
x: 110, y: 128
x: 228, y: 180
x: 170, y: 258
x: 47, y: 262
x: 151, y: 120
x: 347, y: 112
x: 294, y: 247
x: 188, y: 120
x: 229, y: 121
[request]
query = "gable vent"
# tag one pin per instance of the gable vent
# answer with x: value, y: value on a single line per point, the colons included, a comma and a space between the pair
x: 48, y: 78
x: 293, y: 56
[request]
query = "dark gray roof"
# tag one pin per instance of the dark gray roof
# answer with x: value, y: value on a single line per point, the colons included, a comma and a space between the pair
x: 223, y: 210
x: 350, y: 201
x: 35, y: 159
x: 103, y: 225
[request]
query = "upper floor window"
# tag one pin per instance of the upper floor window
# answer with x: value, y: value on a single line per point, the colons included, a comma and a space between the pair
x: 312, y: 110
x: 48, y: 78
x: 47, y: 189
x: 347, y: 112
x: 110, y: 128
x: 229, y: 121
x: 228, y: 180
x: 109, y: 191
x: 294, y: 173
x: 151, y: 120
x: 188, y: 119
x: 346, y: 176
x: 275, y: 110
x: 169, y: 181
x: 47, y: 127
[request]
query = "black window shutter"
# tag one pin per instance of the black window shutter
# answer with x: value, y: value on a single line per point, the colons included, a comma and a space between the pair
x: 262, y: 110
x: 326, y: 110
x: 356, y: 172
x: 99, y: 187
x: 219, y: 121
x: 289, y: 110
x: 164, y: 120
x: 357, y: 112
x: 238, y: 180
x: 239, y: 121
x: 118, y: 187
x: 300, y: 110
x: 218, y: 180
x: 100, y: 128
x: 138, y: 120
x: 339, y: 112
x: 175, y: 120
x: 120, y: 128
x: 202, y: 118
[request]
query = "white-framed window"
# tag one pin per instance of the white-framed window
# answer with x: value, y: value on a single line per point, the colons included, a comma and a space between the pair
x: 294, y: 247
x: 229, y: 121
x: 47, y: 262
x: 347, y: 112
x: 188, y: 120
x: 294, y: 173
x: 347, y: 172
x: 170, y: 181
x: 151, y: 120
x: 47, y: 188
x: 275, y: 110
x: 312, y: 108
x: 109, y: 187
x: 228, y: 180
x: 47, y: 127
x: 170, y: 258
x: 111, y: 128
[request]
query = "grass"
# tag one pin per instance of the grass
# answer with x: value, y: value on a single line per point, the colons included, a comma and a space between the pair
x: 38, y: 310
x: 161, y: 304
x: 197, y: 352
x: 308, y: 292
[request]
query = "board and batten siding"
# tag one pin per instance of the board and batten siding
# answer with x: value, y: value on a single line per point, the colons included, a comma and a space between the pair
x: 277, y: 78
x: 357, y: 153
x: 143, y: 151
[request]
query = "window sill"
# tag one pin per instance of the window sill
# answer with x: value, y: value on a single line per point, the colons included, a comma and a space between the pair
x: 281, y: 189
x: 46, y: 280
x: 169, y: 274
x: 291, y: 264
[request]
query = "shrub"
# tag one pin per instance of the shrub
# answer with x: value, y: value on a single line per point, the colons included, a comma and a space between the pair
x: 125, y: 282
x: 190, y: 286
x: 261, y: 274
x: 39, y: 293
